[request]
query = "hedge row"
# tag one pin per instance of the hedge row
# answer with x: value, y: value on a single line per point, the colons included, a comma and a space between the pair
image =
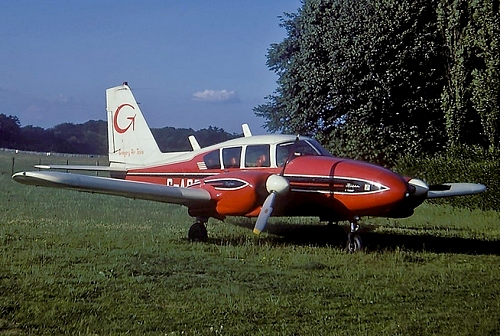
x: 465, y: 164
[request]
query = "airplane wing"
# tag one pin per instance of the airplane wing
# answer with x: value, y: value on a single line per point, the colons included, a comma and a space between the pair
x: 454, y: 189
x: 104, y: 185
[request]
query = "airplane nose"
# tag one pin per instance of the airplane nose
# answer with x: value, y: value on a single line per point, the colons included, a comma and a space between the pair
x: 379, y: 192
x: 355, y: 188
x: 404, y: 197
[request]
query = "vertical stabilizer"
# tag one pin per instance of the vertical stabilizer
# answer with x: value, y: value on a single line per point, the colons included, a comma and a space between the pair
x: 130, y: 140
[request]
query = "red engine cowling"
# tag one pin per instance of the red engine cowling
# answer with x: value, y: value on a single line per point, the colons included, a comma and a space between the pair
x: 236, y: 194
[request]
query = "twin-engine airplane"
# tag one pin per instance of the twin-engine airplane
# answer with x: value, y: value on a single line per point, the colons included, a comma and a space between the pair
x: 253, y: 176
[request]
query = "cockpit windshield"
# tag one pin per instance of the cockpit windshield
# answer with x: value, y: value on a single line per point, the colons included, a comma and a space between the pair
x: 298, y: 148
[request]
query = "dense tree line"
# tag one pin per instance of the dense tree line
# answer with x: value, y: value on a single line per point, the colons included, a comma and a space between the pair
x: 471, y: 103
x: 176, y: 139
x: 378, y: 79
x: 91, y: 137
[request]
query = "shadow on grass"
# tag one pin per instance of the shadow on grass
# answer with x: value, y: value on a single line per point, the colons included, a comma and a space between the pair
x: 336, y: 236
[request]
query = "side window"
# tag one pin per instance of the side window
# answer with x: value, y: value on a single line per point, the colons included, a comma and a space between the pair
x: 282, y: 153
x: 304, y: 148
x: 212, y: 160
x: 257, y: 156
x: 231, y: 157
x: 299, y: 148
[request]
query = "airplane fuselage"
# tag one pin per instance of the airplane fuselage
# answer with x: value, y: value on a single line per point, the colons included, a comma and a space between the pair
x: 319, y: 184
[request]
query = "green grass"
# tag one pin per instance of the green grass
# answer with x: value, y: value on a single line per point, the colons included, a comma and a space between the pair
x: 75, y: 263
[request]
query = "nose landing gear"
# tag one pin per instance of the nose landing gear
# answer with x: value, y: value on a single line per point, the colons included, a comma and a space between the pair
x: 354, y: 242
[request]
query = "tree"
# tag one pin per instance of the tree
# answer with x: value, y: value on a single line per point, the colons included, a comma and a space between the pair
x: 37, y: 139
x: 172, y: 139
x: 362, y: 76
x: 471, y: 98
x: 91, y: 137
x: 87, y: 138
x: 10, y: 129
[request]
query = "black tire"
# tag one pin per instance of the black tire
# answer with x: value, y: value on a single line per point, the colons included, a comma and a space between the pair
x: 198, y: 233
x: 354, y: 243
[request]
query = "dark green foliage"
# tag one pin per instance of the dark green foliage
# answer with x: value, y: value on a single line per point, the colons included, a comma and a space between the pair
x: 37, y: 139
x: 88, y: 138
x: 464, y: 164
x: 212, y: 135
x: 10, y: 127
x: 361, y: 76
x: 471, y: 98
x: 379, y: 79
x: 172, y: 139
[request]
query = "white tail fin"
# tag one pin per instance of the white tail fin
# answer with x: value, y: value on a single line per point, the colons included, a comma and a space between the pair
x: 131, y: 142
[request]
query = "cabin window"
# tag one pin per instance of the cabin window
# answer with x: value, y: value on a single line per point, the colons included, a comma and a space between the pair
x: 212, y: 160
x: 231, y: 157
x: 304, y: 148
x: 300, y: 148
x: 257, y: 156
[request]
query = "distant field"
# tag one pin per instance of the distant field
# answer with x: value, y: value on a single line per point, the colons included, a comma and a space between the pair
x: 75, y: 263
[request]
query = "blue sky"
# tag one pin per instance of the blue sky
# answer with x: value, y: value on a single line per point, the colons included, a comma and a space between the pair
x: 189, y: 63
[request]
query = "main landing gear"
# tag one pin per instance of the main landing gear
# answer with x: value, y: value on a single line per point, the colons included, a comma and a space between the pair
x: 198, y: 231
x: 354, y: 242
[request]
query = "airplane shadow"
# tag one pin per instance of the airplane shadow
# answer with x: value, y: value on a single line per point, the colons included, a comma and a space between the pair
x: 336, y: 236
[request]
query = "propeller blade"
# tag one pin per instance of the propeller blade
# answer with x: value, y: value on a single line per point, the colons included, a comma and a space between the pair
x: 265, y: 213
x: 275, y: 184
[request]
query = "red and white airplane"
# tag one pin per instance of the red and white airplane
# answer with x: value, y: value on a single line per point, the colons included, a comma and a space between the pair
x: 253, y: 176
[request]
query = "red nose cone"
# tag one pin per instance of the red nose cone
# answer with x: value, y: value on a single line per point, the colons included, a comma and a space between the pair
x: 382, y: 192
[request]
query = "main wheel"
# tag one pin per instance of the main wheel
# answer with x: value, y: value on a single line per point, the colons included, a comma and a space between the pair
x: 198, y: 232
x: 354, y: 243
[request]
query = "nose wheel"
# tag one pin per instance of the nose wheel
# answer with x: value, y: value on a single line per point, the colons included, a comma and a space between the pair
x: 354, y: 242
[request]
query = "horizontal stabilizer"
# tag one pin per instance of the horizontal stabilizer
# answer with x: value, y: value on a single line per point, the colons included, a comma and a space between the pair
x: 103, y: 185
x: 82, y: 168
x: 454, y: 189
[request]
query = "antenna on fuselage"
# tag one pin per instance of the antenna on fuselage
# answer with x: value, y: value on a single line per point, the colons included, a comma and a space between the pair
x: 246, y: 130
x: 194, y: 143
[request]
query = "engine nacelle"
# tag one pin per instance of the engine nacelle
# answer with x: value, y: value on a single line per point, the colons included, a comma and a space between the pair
x: 236, y: 194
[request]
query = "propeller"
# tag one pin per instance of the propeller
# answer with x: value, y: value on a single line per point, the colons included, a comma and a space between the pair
x: 420, y: 188
x: 275, y: 184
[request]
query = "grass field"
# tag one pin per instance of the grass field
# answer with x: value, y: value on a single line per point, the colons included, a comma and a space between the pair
x: 75, y: 263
